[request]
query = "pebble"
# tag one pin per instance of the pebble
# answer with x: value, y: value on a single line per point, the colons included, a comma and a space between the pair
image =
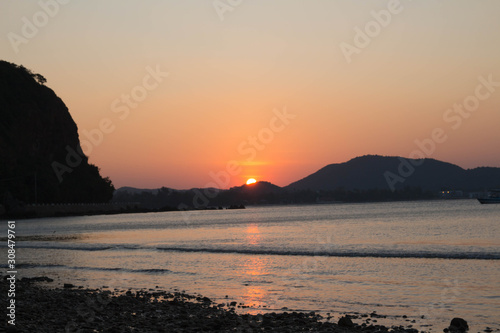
x: 67, y: 309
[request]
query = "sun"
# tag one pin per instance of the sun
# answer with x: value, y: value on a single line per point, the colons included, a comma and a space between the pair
x: 251, y: 181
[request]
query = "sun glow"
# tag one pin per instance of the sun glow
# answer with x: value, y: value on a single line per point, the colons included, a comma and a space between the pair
x: 251, y: 181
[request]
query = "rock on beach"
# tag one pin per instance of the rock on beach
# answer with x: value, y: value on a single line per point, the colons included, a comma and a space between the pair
x: 41, y: 309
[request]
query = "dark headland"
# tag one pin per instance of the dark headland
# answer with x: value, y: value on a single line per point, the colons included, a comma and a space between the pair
x: 42, y: 161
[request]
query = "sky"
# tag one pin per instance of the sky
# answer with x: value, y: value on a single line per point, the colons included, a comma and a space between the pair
x: 202, y: 93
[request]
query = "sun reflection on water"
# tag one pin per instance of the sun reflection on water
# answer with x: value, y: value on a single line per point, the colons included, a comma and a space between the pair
x: 254, y: 269
x: 253, y: 234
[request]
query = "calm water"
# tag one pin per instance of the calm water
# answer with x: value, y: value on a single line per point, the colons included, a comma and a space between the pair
x: 439, y: 259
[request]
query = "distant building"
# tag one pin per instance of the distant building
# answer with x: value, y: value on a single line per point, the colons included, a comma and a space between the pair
x: 451, y: 194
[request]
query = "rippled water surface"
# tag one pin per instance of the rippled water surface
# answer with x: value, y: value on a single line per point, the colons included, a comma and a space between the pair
x: 436, y: 259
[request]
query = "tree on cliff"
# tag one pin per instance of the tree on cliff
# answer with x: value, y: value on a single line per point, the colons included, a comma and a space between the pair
x: 36, y: 130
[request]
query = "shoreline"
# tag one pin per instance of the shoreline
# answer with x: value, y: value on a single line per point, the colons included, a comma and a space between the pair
x: 75, y: 210
x: 72, y: 210
x: 43, y: 307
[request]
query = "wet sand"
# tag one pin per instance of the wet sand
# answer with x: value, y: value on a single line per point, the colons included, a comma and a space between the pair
x: 40, y: 307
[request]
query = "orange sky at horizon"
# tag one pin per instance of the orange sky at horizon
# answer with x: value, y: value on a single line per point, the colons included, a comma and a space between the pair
x: 186, y: 89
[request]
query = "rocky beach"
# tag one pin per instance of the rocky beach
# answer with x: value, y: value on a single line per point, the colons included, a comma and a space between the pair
x: 41, y: 306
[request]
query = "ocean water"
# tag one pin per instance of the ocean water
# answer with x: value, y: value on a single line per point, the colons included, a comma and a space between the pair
x: 430, y: 260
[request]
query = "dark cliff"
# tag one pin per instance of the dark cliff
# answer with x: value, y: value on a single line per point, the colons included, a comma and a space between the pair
x: 40, y: 154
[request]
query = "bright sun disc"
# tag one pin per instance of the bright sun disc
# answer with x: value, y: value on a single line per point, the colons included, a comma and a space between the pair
x: 251, y: 181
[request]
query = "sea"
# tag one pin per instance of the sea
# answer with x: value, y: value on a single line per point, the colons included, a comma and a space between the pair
x: 418, y: 263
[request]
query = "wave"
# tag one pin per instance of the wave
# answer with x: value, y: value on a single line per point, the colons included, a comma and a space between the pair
x: 101, y: 269
x: 350, y: 254
x: 79, y: 247
x: 379, y: 253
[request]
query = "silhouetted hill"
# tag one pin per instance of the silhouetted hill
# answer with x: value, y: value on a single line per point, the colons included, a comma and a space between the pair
x: 260, y: 192
x: 133, y: 190
x: 258, y: 188
x: 365, y: 178
x: 383, y: 172
x: 170, y: 199
x: 40, y: 153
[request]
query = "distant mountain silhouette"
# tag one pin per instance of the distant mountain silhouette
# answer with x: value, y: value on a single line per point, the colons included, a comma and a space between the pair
x: 133, y: 190
x: 365, y: 178
x: 40, y: 153
x: 170, y: 199
x: 258, y: 188
x: 389, y: 172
